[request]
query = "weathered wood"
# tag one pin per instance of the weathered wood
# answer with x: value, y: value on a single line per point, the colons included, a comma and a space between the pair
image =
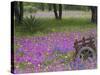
x: 89, y: 42
x: 84, y: 43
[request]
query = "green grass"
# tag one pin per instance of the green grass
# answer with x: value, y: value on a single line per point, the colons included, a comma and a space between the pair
x: 46, y: 26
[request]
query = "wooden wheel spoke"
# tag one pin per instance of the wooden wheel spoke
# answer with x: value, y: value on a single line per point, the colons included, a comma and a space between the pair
x: 85, y: 53
x: 81, y: 55
x: 91, y: 55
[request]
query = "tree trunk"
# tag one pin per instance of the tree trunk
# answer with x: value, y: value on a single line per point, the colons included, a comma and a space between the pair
x: 94, y: 14
x: 60, y: 11
x: 55, y: 11
x: 21, y: 11
x: 16, y: 11
x: 59, y: 14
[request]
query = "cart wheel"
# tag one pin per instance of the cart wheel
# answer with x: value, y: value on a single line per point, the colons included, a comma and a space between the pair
x: 86, y: 53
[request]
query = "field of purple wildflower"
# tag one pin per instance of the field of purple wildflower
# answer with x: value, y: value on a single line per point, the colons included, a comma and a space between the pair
x: 52, y: 52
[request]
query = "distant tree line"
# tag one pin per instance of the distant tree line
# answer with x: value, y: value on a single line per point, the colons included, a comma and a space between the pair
x: 56, y: 8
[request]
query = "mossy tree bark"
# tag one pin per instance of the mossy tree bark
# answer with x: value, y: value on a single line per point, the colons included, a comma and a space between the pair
x: 94, y: 14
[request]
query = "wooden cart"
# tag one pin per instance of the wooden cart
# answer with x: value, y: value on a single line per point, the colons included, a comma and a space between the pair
x: 85, y: 48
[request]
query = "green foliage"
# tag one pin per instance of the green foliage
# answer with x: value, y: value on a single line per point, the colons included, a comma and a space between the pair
x: 38, y: 27
x: 22, y: 65
x: 30, y: 9
x: 33, y: 7
x: 45, y: 6
x: 30, y: 22
x: 75, y: 7
x: 28, y: 25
